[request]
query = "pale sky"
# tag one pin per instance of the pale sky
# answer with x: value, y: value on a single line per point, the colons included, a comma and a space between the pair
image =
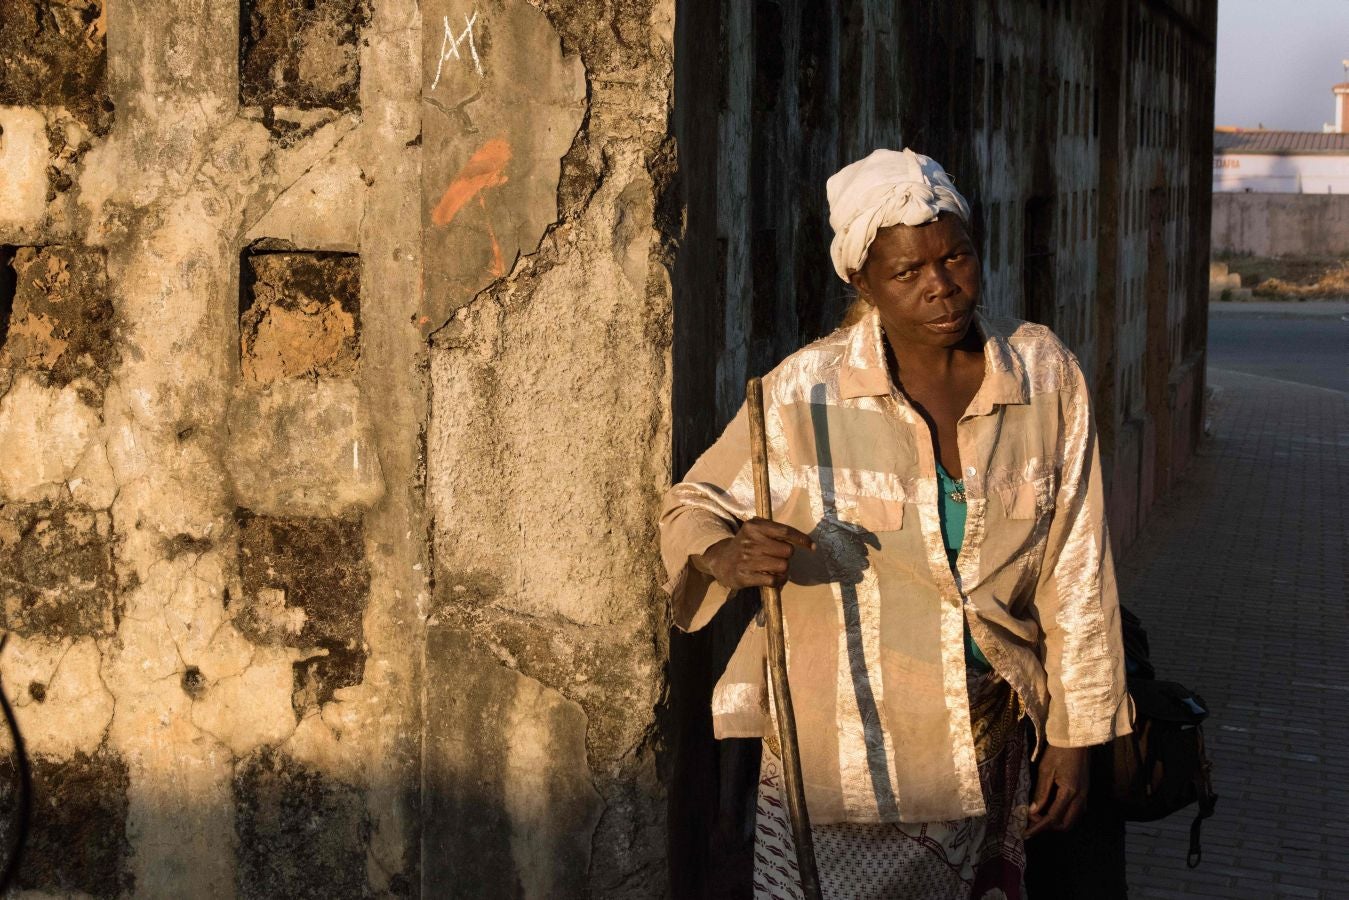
x: 1277, y: 60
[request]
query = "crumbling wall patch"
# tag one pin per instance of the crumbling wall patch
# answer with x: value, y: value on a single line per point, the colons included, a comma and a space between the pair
x: 55, y: 53
x: 305, y: 585
x: 301, y: 834
x: 61, y: 322
x: 77, y: 838
x: 300, y: 315
x: 303, y: 55
x: 57, y: 573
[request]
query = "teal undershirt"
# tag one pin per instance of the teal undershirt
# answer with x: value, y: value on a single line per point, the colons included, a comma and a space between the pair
x: 952, y: 514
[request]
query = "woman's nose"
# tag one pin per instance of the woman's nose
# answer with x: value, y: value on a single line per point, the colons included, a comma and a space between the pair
x: 940, y: 285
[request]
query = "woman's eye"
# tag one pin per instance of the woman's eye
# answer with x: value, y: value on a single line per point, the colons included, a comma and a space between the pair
x: 906, y: 275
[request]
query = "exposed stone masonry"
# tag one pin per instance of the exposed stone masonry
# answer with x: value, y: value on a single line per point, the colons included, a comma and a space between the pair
x: 57, y: 577
x: 301, y: 315
x: 54, y: 53
x: 82, y: 846
x: 305, y: 585
x: 301, y: 835
x: 209, y: 674
x: 60, y: 323
x: 301, y: 54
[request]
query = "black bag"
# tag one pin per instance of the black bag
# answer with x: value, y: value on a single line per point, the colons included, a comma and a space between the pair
x: 1161, y: 767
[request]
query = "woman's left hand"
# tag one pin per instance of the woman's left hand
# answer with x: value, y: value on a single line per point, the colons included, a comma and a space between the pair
x: 1060, y: 792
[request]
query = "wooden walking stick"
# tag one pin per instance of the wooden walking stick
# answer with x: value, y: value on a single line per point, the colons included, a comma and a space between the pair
x: 777, y: 661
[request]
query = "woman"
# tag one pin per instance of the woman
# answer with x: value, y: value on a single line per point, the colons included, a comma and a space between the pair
x: 941, y: 544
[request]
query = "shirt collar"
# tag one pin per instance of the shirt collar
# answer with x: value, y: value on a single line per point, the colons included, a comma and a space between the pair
x: 863, y: 372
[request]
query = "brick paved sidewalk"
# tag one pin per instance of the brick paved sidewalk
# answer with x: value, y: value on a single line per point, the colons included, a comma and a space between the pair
x: 1240, y: 581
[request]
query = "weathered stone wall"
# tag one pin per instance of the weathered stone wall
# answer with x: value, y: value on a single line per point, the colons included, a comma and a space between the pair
x: 548, y: 446
x: 333, y: 419
x: 1160, y: 74
x: 211, y: 551
x: 1281, y: 224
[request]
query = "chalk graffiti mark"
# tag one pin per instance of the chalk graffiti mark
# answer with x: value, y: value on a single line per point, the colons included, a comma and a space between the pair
x: 449, y: 46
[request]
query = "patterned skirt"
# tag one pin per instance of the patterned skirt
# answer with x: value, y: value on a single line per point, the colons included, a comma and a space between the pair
x: 979, y: 858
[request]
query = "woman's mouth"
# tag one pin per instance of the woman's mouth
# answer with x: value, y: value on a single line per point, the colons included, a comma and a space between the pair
x: 950, y: 323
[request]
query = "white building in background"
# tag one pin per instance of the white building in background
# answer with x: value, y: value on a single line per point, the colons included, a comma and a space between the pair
x: 1285, y: 162
x: 1281, y: 162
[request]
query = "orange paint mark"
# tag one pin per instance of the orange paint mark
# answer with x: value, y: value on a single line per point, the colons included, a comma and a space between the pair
x: 498, y: 264
x: 485, y: 169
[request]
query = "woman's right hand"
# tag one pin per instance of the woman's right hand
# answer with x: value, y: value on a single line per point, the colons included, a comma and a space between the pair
x: 757, y: 556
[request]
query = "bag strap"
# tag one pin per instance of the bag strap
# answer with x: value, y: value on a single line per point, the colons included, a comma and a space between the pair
x: 1147, y: 760
x: 1196, y: 852
x: 1206, y: 801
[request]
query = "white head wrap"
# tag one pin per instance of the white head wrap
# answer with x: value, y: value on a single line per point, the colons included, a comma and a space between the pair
x: 889, y: 187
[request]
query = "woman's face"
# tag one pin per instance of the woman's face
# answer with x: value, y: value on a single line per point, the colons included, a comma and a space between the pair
x: 924, y: 280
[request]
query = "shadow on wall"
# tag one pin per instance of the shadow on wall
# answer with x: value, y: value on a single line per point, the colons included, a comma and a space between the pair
x: 508, y: 808
x: 300, y: 833
x: 296, y: 832
x: 509, y: 829
x: 508, y: 779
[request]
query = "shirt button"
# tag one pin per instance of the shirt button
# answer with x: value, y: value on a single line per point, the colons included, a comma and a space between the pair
x: 969, y: 471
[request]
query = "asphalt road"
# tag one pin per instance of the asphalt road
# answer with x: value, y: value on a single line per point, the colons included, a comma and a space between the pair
x: 1307, y: 343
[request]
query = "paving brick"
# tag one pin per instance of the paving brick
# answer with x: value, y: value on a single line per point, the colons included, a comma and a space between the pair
x: 1239, y: 579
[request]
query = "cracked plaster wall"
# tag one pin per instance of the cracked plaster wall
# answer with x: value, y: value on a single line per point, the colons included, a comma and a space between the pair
x: 546, y: 258
x: 149, y: 456
x: 333, y: 412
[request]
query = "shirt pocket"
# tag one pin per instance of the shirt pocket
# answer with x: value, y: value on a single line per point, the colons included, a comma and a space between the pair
x: 1026, y: 500
x: 872, y: 514
x: 867, y: 501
